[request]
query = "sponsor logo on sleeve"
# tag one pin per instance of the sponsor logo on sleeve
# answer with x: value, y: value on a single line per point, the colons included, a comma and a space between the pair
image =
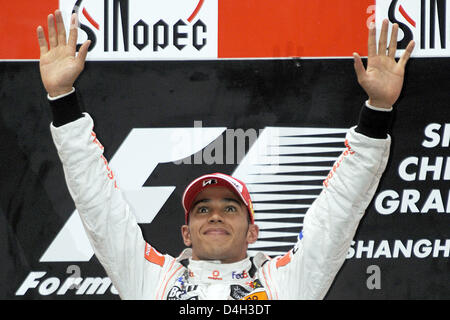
x: 153, y: 256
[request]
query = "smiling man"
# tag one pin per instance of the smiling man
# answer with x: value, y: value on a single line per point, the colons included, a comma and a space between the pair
x: 219, y: 216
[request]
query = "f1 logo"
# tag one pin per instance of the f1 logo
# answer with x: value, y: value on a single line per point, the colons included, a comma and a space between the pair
x: 137, y: 157
x: 145, y: 148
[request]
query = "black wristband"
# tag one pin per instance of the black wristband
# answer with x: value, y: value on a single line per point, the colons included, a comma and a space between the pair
x: 65, y: 110
x: 373, y: 123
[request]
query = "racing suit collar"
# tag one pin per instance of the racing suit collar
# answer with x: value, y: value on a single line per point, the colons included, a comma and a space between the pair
x: 215, y: 271
x: 201, y: 271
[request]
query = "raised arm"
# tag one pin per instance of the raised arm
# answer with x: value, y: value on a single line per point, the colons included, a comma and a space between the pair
x: 307, y: 271
x: 117, y: 240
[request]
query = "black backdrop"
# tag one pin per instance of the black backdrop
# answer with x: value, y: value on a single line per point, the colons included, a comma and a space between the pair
x: 35, y: 202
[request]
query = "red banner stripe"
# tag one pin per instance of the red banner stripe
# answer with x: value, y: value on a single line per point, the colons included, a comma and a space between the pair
x: 18, y: 23
x: 286, y: 28
x: 247, y: 29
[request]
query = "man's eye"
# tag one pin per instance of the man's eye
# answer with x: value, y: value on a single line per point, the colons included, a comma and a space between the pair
x: 230, y: 209
x: 202, y: 210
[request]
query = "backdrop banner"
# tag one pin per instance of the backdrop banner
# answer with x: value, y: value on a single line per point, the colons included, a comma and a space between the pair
x: 213, y: 116
x: 261, y: 90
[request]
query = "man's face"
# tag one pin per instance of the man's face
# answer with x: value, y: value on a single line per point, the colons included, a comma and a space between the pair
x: 218, y: 226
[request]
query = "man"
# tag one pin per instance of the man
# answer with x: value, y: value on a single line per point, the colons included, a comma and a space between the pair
x: 218, y: 209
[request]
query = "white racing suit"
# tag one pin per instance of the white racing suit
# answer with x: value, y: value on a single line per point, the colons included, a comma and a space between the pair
x: 139, y: 271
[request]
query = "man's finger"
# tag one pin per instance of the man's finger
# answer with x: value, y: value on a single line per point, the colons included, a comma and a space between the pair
x: 372, y: 43
x: 407, y: 54
x: 43, y: 47
x: 382, y: 43
x: 61, y: 30
x: 73, y: 33
x: 393, y: 43
x: 82, y: 53
x: 359, y: 67
x: 52, y: 38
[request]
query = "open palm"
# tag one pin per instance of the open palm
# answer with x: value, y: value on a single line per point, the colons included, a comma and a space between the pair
x: 383, y: 78
x: 59, y: 65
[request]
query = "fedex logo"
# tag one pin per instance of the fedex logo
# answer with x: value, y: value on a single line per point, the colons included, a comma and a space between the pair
x: 242, y: 275
x: 424, y: 21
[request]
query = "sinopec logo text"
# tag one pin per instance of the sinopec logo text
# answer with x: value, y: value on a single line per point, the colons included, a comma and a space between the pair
x: 140, y: 30
x: 424, y: 21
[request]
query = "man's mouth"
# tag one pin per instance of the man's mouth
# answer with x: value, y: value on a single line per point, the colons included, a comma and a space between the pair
x: 216, y: 232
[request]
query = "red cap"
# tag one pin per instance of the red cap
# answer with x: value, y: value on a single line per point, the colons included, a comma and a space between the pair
x: 216, y: 179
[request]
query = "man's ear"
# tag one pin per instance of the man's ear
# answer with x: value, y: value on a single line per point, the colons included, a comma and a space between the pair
x: 252, y: 233
x: 186, y: 234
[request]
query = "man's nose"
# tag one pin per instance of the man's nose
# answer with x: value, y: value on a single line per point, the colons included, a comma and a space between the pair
x: 215, y: 216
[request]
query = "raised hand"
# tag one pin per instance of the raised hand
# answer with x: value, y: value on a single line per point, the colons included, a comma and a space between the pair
x: 59, y: 64
x: 383, y: 79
